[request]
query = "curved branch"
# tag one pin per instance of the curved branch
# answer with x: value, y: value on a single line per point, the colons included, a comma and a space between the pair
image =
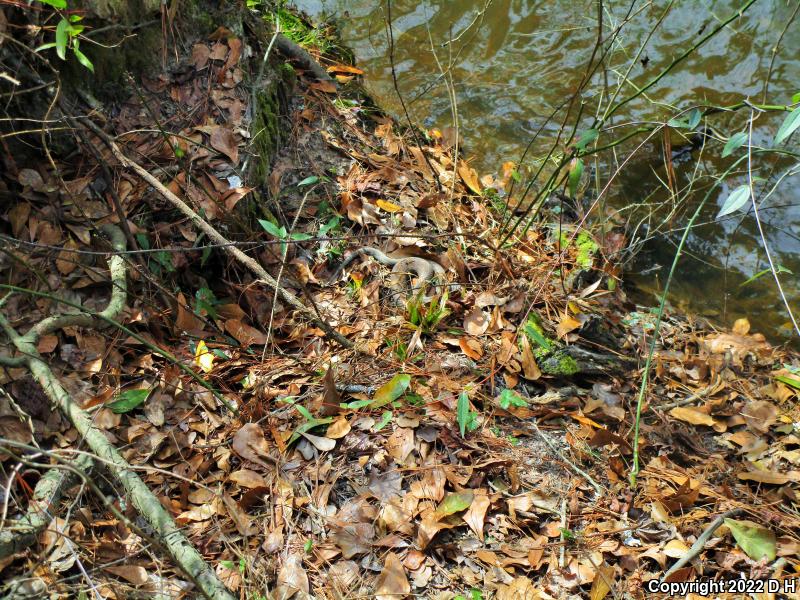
x: 119, y: 292
x: 22, y: 533
x: 185, y: 556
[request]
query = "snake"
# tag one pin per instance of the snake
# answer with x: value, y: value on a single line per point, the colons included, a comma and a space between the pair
x: 425, y: 270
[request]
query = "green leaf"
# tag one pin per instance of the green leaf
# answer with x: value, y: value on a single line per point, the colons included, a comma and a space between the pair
x: 308, y: 181
x: 734, y: 143
x: 61, y: 39
x: 789, y: 126
x: 587, y: 137
x: 463, y: 412
x: 75, y: 18
x: 756, y: 541
x: 532, y: 330
x: 509, y: 397
x: 386, y: 418
x: 128, y: 400
x: 778, y: 269
x: 55, y: 3
x: 308, y: 546
x: 391, y: 390
x: 45, y: 46
x: 796, y: 98
x: 272, y: 229
x: 690, y: 122
x: 453, y: 503
x: 307, y: 426
x: 790, y: 381
x: 301, y: 236
x: 694, y: 118
x: 305, y: 412
x: 355, y: 404
x: 737, y: 199
x: 575, y: 174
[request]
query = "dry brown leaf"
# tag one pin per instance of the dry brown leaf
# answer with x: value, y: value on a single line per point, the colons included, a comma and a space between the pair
x: 187, y: 320
x: 768, y: 477
x: 223, y: 140
x: 327, y: 87
x: 322, y: 444
x: 250, y: 443
x: 603, y: 582
x: 530, y: 370
x: 199, y: 513
x: 130, y: 573
x: 692, y: 415
x: 476, y: 513
x: 244, y: 334
x: 339, y: 68
x: 247, y: 478
x: 239, y: 517
x: 400, y: 444
x: 760, y: 415
x: 431, y: 486
x: 676, y: 549
x: 521, y: 588
x: 343, y: 574
x: 392, y: 583
x: 200, y: 56
x: 471, y: 347
x: 476, y: 322
x: 67, y: 260
x: 47, y: 343
x: 292, y: 578
x: 568, y: 323
x: 338, y: 429
x: 470, y: 177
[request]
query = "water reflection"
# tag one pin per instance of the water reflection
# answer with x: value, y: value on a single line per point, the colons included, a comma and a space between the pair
x: 513, y: 61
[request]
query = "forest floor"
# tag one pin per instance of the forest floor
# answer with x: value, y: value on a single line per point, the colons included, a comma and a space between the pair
x: 477, y: 441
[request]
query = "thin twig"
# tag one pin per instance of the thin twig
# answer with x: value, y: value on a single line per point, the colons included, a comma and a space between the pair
x: 700, y: 543
x: 577, y: 469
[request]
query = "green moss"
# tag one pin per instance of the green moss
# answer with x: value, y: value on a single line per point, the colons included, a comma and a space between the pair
x: 586, y: 246
x: 558, y: 363
x: 266, y: 128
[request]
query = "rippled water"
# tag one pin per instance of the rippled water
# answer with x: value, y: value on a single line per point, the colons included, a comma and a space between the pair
x: 513, y: 62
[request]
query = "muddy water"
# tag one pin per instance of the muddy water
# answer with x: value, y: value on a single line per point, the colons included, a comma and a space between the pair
x: 513, y: 62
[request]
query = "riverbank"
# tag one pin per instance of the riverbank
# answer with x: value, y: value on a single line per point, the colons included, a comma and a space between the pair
x: 475, y: 440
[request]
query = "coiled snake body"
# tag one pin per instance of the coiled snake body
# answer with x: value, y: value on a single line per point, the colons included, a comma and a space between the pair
x: 425, y: 270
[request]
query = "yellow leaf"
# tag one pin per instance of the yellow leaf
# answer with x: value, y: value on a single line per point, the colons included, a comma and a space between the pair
x: 203, y: 357
x: 388, y: 206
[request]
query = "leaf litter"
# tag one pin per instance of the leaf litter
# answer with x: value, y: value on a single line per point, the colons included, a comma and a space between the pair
x: 355, y: 474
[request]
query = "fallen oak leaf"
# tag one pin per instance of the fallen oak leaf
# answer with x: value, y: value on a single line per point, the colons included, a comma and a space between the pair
x: 392, y: 583
x: 476, y: 514
x: 250, y: 443
x: 292, y: 578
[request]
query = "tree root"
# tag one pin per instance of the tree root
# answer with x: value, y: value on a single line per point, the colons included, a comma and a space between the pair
x: 184, y: 555
x: 18, y: 535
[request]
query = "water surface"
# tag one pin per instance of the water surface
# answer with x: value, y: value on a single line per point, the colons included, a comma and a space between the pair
x: 513, y: 62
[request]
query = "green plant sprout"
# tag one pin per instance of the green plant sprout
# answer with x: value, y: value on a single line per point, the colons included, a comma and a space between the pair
x: 68, y: 32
